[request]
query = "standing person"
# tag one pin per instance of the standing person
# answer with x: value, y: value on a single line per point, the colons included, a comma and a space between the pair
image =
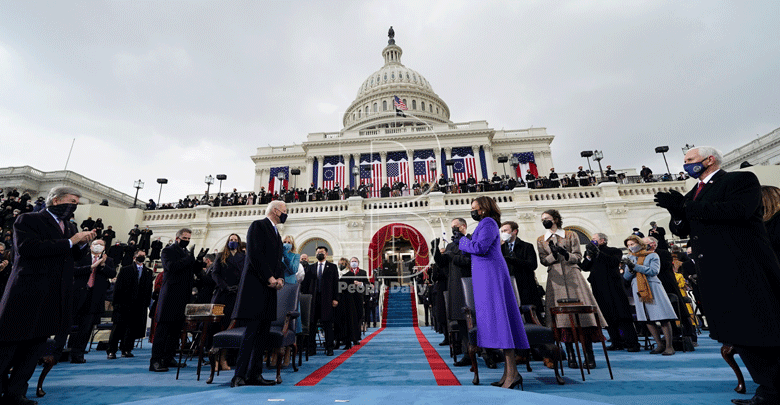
x: 145, y: 240
x: 227, y: 271
x: 554, y: 182
x: 321, y: 281
x: 294, y: 271
x: 108, y: 236
x: 175, y: 293
x: 457, y: 264
x: 770, y: 199
x: 559, y: 250
x: 37, y: 299
x: 652, y: 304
x: 500, y: 325
x: 91, y: 277
x: 353, y: 286
x: 340, y: 312
x: 256, y: 300
x: 646, y: 173
x: 157, y: 247
x: 659, y: 233
x: 520, y: 257
x: 134, y: 234
x: 132, y: 296
x: 603, y: 263
x: 734, y: 258
x: 611, y: 174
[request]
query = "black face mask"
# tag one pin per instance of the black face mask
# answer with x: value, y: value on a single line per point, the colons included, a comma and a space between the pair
x: 320, y: 256
x: 475, y: 215
x: 455, y: 231
x: 140, y: 259
x: 282, y: 217
x: 547, y: 224
x: 63, y: 211
x: 184, y: 243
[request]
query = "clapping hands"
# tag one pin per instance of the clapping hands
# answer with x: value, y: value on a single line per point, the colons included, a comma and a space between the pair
x: 673, y: 201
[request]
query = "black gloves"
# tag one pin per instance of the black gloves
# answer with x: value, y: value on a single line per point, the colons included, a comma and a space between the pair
x: 592, y: 250
x: 202, y: 253
x: 558, y: 250
x: 628, y: 264
x: 435, y: 244
x: 673, y: 201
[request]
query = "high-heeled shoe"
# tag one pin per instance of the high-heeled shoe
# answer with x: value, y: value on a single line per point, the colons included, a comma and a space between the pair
x: 497, y: 383
x: 514, y: 384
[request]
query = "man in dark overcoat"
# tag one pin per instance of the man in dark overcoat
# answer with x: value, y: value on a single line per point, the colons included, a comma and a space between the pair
x: 353, y: 286
x: 179, y: 266
x: 321, y: 281
x: 457, y: 265
x: 521, y: 260
x: 91, y: 277
x: 603, y: 263
x: 132, y: 296
x: 37, y: 302
x: 738, y: 272
x: 261, y: 277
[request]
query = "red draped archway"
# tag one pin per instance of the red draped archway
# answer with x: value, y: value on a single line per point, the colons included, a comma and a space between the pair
x: 397, y: 230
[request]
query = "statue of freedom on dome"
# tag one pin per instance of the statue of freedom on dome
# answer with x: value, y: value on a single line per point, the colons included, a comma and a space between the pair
x: 391, y: 35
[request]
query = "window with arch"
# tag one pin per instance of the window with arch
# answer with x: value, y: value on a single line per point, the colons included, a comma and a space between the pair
x: 384, y: 105
x: 375, y: 107
x: 414, y: 104
x: 310, y: 248
x: 405, y: 102
x: 582, y: 235
x: 422, y: 105
x: 430, y: 108
x: 437, y: 110
x: 360, y: 112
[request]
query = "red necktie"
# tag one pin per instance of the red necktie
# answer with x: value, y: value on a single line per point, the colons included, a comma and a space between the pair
x: 698, y: 189
x: 62, y: 227
x: 91, y: 281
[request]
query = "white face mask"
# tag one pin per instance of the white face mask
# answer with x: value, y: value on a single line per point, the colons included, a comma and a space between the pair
x: 97, y: 249
x: 353, y: 264
x: 635, y: 248
x: 505, y: 236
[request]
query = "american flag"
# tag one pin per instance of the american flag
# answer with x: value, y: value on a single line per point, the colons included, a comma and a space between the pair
x: 465, y: 165
x: 397, y: 168
x: 527, y: 162
x: 333, y: 171
x: 423, y: 161
x: 399, y: 104
x: 274, y: 185
x: 371, y: 172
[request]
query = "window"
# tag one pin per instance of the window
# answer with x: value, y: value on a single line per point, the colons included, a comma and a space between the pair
x: 437, y: 110
x: 422, y: 105
x: 385, y: 76
x: 359, y: 112
x: 405, y: 102
x: 310, y: 247
x: 430, y: 107
x: 384, y: 105
x: 392, y: 76
x: 374, y: 107
x: 414, y: 104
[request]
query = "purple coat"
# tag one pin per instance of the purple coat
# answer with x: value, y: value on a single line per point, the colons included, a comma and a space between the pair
x: 499, y: 324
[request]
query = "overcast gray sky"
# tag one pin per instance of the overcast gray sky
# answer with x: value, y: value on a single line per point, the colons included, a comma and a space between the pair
x: 190, y: 88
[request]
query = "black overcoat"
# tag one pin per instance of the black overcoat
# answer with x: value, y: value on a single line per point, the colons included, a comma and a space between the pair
x: 255, y: 299
x: 739, y: 274
x: 179, y: 267
x: 95, y: 299
x: 522, y: 264
x: 607, y: 283
x: 132, y: 297
x: 38, y: 297
x: 329, y: 291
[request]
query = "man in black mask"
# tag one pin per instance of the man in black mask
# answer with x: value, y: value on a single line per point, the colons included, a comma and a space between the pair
x: 321, y: 281
x: 37, y: 299
x: 603, y: 263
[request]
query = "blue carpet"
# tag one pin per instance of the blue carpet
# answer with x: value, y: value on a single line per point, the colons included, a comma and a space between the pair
x: 399, y: 308
x: 392, y: 368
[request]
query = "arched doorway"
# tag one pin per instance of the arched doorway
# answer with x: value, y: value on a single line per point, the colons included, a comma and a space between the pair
x: 401, y: 231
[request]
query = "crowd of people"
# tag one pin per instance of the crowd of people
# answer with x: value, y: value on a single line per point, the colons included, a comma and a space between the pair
x: 58, y: 278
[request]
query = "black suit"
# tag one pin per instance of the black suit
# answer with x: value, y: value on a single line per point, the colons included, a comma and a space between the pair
x: 522, y: 263
x: 660, y: 234
x: 256, y: 300
x: 37, y: 299
x: 323, y: 292
x: 738, y: 273
x: 88, y: 302
x: 179, y: 267
x: 132, y: 296
x: 352, y: 296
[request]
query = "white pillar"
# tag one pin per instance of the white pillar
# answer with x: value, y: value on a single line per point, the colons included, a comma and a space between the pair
x: 489, y: 159
x: 309, y: 178
x: 383, y: 155
x: 320, y: 163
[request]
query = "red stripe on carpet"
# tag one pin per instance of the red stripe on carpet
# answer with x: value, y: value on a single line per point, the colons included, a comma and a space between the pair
x: 322, y: 372
x: 441, y: 372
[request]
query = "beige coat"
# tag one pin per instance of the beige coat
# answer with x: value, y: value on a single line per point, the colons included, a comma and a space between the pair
x: 578, y: 286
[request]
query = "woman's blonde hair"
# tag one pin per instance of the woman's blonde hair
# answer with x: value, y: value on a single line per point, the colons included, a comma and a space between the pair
x: 636, y: 239
x: 292, y: 241
x: 770, y: 198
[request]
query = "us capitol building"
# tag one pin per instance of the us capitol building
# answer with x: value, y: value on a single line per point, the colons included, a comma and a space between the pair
x: 398, y: 128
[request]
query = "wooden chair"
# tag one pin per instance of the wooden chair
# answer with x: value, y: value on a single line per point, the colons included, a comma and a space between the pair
x: 727, y: 351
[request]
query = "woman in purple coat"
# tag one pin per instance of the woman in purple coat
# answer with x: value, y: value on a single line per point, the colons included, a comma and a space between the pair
x: 498, y: 315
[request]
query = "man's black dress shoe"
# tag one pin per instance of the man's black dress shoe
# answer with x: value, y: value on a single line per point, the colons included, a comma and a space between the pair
x: 347, y: 347
x: 756, y: 400
x: 174, y: 363
x: 259, y: 380
x: 78, y: 360
x: 111, y: 356
x: 356, y: 343
x: 127, y: 354
x: 157, y: 367
x: 18, y: 400
x: 465, y: 361
x: 329, y: 352
x: 445, y: 343
x: 237, y: 382
x: 633, y: 349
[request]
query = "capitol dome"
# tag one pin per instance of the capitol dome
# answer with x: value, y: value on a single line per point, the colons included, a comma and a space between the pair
x: 374, y: 108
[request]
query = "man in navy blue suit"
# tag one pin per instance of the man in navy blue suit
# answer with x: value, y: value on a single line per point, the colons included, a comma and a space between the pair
x: 37, y: 302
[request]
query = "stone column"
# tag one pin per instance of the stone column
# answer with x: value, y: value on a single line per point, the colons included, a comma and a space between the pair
x: 489, y: 159
x: 347, y: 172
x: 320, y: 163
x: 309, y: 178
x: 478, y: 160
x: 383, y: 155
x: 448, y: 156
x: 410, y: 170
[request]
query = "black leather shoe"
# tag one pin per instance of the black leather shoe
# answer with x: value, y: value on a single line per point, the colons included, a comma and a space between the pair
x: 756, y: 400
x: 356, y: 343
x: 126, y: 354
x: 18, y: 400
x: 633, y: 349
x: 259, y: 380
x: 237, y: 382
x: 157, y: 367
x: 445, y: 343
x: 78, y: 360
x: 465, y: 361
x: 111, y: 356
x: 347, y: 347
x: 174, y: 364
x: 329, y: 352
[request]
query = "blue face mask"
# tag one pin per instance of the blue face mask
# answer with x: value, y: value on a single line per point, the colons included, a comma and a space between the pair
x: 694, y: 169
x: 287, y: 246
x: 232, y: 245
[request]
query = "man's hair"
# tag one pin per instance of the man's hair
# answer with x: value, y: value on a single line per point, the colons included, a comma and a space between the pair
x: 707, y: 151
x: 211, y: 256
x: 322, y: 247
x: 602, y: 236
x: 59, y: 192
x: 556, y: 217
x: 512, y: 224
x: 652, y: 240
x: 183, y: 231
x: 461, y: 221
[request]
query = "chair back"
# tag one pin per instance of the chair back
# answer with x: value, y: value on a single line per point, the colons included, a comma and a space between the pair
x: 468, y: 292
x: 286, y: 301
x: 305, y: 313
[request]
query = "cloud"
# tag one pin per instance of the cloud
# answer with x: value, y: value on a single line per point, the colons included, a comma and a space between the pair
x: 163, y: 62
